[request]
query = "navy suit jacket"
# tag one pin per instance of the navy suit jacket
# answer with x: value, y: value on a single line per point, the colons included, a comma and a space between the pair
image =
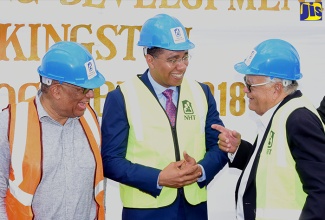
x: 115, y: 130
x: 306, y: 139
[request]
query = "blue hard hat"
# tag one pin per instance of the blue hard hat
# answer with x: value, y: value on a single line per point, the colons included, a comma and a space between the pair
x: 274, y: 58
x: 165, y: 32
x: 70, y: 62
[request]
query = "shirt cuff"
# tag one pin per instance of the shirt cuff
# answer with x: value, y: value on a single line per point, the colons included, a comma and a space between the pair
x: 158, y: 186
x: 231, y: 156
x: 203, y: 177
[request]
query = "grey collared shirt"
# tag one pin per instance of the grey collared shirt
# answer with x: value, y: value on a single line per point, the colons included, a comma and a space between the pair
x: 66, y: 190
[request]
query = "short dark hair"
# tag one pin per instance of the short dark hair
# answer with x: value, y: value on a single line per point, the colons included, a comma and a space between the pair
x: 155, y: 51
x: 44, y: 87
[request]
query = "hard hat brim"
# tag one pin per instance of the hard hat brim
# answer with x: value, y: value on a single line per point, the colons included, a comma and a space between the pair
x: 95, y: 82
x: 181, y: 47
x: 244, y: 69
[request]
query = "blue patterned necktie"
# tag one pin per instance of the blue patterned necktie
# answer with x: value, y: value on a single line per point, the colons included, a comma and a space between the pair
x: 170, y: 107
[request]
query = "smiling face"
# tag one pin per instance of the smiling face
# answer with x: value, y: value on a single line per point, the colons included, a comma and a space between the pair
x: 63, y: 101
x: 74, y: 100
x: 168, y: 67
x: 262, y: 97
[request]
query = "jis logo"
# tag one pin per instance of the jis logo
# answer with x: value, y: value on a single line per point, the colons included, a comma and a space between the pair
x: 311, y: 11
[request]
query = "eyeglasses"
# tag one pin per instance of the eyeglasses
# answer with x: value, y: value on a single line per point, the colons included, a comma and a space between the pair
x: 84, y: 90
x: 254, y: 85
x: 174, y: 61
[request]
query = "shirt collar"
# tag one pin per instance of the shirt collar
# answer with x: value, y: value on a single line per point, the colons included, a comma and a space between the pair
x: 159, y: 89
x: 41, y: 112
x: 266, y: 117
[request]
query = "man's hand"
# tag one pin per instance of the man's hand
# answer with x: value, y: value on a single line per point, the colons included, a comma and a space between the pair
x: 229, y: 140
x: 180, y: 173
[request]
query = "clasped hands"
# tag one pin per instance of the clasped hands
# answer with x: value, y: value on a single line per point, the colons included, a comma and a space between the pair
x: 180, y: 173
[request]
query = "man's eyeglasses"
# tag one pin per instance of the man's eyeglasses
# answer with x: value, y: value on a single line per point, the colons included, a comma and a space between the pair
x: 174, y: 61
x: 84, y: 90
x: 254, y: 85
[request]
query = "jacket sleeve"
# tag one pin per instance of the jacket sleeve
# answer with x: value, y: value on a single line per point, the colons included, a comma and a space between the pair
x: 214, y: 159
x: 242, y: 156
x: 306, y: 139
x: 4, y: 162
x: 115, y: 130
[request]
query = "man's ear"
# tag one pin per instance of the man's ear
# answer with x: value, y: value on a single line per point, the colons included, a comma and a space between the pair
x: 278, y: 90
x: 55, y: 91
x: 278, y: 87
x: 149, y: 60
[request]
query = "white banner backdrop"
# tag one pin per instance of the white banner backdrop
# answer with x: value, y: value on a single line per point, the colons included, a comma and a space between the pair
x: 224, y: 33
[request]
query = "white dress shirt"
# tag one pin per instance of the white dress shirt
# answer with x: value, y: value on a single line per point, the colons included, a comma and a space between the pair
x: 261, y: 127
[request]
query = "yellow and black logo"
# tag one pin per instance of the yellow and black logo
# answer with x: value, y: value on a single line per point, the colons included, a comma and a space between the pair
x: 311, y: 11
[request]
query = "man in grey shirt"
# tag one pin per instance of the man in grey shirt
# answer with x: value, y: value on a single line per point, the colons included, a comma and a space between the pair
x: 50, y: 164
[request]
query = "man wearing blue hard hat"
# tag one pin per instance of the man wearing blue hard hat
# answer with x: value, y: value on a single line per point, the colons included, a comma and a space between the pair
x: 50, y: 162
x: 283, y: 171
x: 156, y: 128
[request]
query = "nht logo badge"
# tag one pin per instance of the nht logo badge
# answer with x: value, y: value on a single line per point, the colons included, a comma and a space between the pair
x: 311, y: 11
x: 270, y: 143
x: 188, y: 110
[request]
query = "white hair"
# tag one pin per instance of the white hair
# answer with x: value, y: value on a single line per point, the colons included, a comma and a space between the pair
x: 289, y: 86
